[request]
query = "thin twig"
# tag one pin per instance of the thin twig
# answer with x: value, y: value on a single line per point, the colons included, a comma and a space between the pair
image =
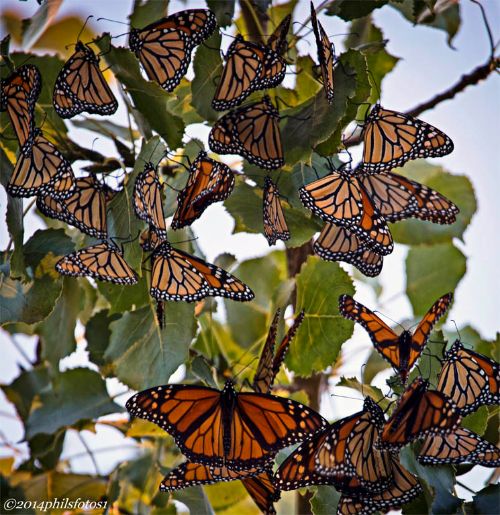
x: 89, y: 452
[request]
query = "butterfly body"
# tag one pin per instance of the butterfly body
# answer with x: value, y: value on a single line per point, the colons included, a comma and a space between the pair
x: 275, y: 226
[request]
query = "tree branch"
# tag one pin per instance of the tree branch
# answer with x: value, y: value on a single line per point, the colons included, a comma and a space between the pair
x: 470, y: 79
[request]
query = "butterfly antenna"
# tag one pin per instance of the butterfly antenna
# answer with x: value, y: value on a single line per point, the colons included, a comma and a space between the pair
x: 84, y: 25
x: 456, y: 329
x: 487, y: 26
x: 113, y: 21
x: 362, y: 378
x: 377, y: 312
x: 345, y: 397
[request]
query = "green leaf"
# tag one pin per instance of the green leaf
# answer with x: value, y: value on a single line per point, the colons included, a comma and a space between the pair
x: 425, y: 280
x: 34, y: 27
x: 124, y: 297
x: 195, y: 499
x: 77, y: 394
x: 375, y: 364
x: 207, y: 66
x: 265, y: 276
x: 315, y: 121
x: 149, y: 98
x: 477, y: 421
x: 147, y: 11
x: 44, y: 242
x: 57, y: 332
x: 348, y: 10
x: 457, y: 188
x: 223, y: 10
x: 28, y: 303
x: 98, y: 334
x: 106, y: 128
x: 47, y: 449
x: 318, y: 340
x: 324, y: 501
x: 226, y: 496
x: 487, y: 500
x: 141, y: 354
x: 14, y: 219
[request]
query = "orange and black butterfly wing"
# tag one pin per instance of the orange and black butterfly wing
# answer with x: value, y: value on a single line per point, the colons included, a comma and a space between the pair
x: 264, y: 375
x: 209, y: 181
x: 263, y: 491
x: 420, y: 412
x: 164, y: 47
x: 459, y: 446
x: 384, y: 339
x: 285, y: 344
x: 275, y: 226
x: 423, y: 331
x: 326, y: 55
x: 80, y: 86
x: 469, y: 379
x: 19, y: 93
x: 102, y: 262
x: 391, y: 139
x: 277, y: 40
x: 398, y: 198
x: 337, y: 243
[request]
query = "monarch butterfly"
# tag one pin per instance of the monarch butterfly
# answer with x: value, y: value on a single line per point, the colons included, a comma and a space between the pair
x: 459, y: 446
x: 400, y: 351
x: 326, y: 55
x: 225, y: 428
x: 348, y: 449
x: 164, y: 47
x: 340, y: 198
x: 251, y: 131
x: 209, y: 181
x: 275, y: 226
x: 277, y: 40
x: 391, y: 139
x: 103, y: 261
x: 270, y: 363
x: 181, y: 277
x: 263, y: 491
x: 148, y: 204
x: 81, y: 87
x: 404, y: 488
x: 339, y: 244
x: 20, y: 92
x: 419, y: 412
x: 249, y: 67
x: 41, y: 168
x: 85, y: 209
x: 397, y: 198
x: 469, y: 378
x: 149, y: 239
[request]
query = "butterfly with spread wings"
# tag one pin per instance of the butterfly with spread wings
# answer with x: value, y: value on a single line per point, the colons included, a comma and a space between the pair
x: 459, y: 446
x: 85, y: 209
x: 326, y: 55
x: 148, y: 204
x: 226, y: 428
x: 469, y: 378
x: 400, y: 351
x: 179, y: 276
x: 41, y: 168
x: 19, y: 92
x: 420, y: 412
x: 209, y: 181
x: 103, y: 261
x: 275, y: 226
x: 81, y: 86
x: 390, y: 139
x: 337, y: 243
x: 339, y: 198
x: 164, y: 47
x: 398, y: 198
x: 404, y: 488
x: 251, y: 131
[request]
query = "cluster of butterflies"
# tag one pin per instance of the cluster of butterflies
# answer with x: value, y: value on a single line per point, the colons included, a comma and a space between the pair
x: 228, y: 435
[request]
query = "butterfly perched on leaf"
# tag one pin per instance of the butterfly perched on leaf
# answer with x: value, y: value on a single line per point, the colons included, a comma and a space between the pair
x: 103, y: 261
x: 209, y: 181
x: 41, y: 169
x: 469, y: 378
x: 19, y: 92
x: 81, y: 86
x: 237, y: 430
x: 148, y: 204
x: 85, y: 209
x: 275, y: 226
x: 339, y: 198
x: 390, y: 139
x: 401, y: 351
x: 420, y: 412
x: 326, y: 55
x: 164, y: 47
x: 251, y: 131
x: 336, y: 243
x: 179, y: 276
x: 398, y: 198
